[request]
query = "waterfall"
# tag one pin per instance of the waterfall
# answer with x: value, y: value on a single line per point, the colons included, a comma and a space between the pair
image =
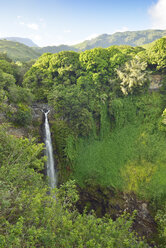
x: 49, y: 153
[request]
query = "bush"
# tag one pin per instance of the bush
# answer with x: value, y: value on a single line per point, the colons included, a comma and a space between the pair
x: 23, y: 115
x: 18, y: 94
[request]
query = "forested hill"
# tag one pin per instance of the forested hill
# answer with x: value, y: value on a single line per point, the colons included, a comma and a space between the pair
x: 17, y: 51
x: 131, y: 38
x: 55, y: 49
x: 20, y: 52
x: 25, y: 41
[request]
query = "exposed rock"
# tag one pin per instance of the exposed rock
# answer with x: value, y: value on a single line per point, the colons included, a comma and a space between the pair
x: 19, y: 132
x: 155, y: 82
x: 36, y: 127
x: 37, y: 114
x: 107, y: 201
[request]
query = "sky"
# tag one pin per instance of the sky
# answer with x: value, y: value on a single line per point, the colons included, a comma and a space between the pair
x: 55, y: 22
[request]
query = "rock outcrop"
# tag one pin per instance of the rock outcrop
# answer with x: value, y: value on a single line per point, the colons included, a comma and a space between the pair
x: 108, y: 201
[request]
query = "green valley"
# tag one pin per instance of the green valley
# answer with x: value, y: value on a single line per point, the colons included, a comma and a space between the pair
x: 108, y: 127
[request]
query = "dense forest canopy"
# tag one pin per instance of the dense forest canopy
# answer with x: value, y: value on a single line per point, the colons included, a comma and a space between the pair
x: 108, y: 130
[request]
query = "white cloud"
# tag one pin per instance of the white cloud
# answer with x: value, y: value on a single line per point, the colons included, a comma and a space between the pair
x: 123, y: 29
x: 158, y: 14
x: 91, y: 36
x: 36, y: 37
x: 33, y: 26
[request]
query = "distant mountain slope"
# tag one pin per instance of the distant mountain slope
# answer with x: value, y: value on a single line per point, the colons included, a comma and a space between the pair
x: 17, y: 51
x: 132, y: 38
x: 25, y: 41
x: 55, y: 49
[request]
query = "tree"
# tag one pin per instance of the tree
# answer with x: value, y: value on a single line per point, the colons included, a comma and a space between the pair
x: 157, y: 54
x: 134, y: 77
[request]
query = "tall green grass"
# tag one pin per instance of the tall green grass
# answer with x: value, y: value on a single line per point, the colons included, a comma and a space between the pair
x: 130, y: 156
x: 101, y: 161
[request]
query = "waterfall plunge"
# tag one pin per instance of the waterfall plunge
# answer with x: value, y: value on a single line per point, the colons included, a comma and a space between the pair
x: 49, y: 153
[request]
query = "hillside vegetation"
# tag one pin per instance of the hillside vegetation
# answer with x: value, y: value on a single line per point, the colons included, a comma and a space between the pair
x: 131, y: 38
x: 25, y: 41
x: 55, y: 49
x: 17, y: 51
x: 21, y: 52
x: 108, y: 131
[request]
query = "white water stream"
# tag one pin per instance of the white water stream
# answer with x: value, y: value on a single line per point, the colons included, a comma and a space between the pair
x: 49, y: 153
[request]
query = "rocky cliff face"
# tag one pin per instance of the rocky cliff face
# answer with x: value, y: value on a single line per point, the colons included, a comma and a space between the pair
x: 155, y: 82
x: 37, y: 114
x: 32, y: 130
x: 104, y: 200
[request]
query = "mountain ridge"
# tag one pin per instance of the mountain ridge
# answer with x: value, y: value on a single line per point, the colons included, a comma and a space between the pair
x: 26, y: 41
x: 19, y: 51
x: 131, y: 38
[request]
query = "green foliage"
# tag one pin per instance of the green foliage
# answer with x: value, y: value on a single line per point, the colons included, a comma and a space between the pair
x: 157, y: 54
x: 9, y: 79
x: 130, y: 156
x: 71, y: 105
x: 17, y: 51
x: 124, y: 131
x: 55, y: 49
x: 65, y: 66
x: 117, y: 58
x: 161, y: 220
x: 23, y: 116
x: 101, y: 161
x: 6, y: 67
x: 18, y: 152
x: 122, y: 111
x: 19, y: 94
x: 60, y: 131
x: 104, y: 121
x: 138, y: 175
x: 52, y: 70
x: 95, y: 60
x: 101, y: 137
x: 77, y: 85
x: 134, y: 78
x: 6, y: 80
x: 30, y: 217
x: 3, y: 56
